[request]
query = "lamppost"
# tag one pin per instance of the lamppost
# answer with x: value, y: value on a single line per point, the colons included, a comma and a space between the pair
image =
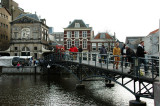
x: 35, y: 69
x: 48, y: 69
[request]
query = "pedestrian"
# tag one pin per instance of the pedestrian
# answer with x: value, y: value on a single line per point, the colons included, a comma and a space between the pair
x: 116, y: 51
x: 130, y: 55
x: 123, y: 58
x: 103, y: 54
x: 75, y: 50
x: 18, y: 65
x: 141, y: 54
x: 71, y: 50
x: 80, y: 54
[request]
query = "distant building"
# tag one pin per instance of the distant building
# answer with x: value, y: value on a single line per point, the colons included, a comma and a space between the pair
x: 133, y: 41
x: 5, y: 19
x: 103, y: 39
x: 29, y: 36
x: 78, y: 34
x: 12, y: 7
x: 59, y: 37
x: 151, y: 42
x: 51, y: 30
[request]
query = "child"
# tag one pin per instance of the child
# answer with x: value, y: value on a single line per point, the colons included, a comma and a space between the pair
x: 18, y: 65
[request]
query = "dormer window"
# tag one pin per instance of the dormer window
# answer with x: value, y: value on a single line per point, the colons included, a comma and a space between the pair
x: 77, y: 25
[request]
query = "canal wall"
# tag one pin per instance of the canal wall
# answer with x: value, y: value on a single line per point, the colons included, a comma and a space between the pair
x: 21, y: 70
x: 157, y: 94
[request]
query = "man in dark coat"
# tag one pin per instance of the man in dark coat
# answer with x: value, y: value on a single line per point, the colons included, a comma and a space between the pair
x: 130, y: 55
x: 103, y: 53
x: 123, y: 52
x: 141, y: 54
x: 80, y: 54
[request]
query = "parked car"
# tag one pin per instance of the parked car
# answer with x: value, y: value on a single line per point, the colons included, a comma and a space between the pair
x: 23, y: 61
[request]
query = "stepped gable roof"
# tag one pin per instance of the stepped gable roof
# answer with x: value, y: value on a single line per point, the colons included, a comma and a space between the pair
x: 153, y: 32
x: 82, y: 24
x: 103, y: 36
x: 32, y: 16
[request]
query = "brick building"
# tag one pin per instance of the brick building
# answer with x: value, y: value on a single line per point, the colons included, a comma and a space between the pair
x: 78, y: 34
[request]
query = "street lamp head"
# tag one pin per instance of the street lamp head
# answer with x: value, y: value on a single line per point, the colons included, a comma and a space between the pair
x: 48, y: 66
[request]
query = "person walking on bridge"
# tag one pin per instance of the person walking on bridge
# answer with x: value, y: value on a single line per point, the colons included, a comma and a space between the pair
x: 141, y: 54
x: 130, y: 54
x: 116, y: 51
x: 103, y: 53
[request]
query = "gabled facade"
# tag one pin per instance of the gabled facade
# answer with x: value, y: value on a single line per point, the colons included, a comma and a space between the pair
x: 5, y: 19
x: 103, y: 39
x: 59, y: 37
x: 29, y: 36
x: 78, y: 34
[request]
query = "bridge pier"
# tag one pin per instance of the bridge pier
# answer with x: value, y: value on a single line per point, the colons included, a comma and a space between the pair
x: 80, y: 86
x: 137, y: 102
x: 109, y: 83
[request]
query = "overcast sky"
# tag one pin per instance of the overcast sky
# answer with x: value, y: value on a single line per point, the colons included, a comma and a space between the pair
x: 124, y: 17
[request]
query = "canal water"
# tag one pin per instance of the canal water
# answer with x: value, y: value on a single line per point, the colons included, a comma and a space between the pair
x: 30, y: 90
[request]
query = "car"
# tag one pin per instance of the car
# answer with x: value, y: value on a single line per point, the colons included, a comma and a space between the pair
x: 23, y: 61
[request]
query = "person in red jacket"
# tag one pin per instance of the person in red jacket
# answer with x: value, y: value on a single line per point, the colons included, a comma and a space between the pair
x: 71, y: 50
x: 75, y: 50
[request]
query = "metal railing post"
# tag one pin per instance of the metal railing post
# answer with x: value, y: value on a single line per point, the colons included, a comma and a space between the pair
x: 152, y: 70
x: 95, y: 59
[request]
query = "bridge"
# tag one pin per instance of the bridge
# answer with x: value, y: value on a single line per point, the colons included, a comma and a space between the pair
x: 86, y: 66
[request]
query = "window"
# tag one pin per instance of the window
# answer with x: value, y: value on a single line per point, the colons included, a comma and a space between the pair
x: 99, y: 46
x: 15, y: 35
x: 15, y: 48
x: 68, y: 44
x: 35, y: 55
x: 35, y: 48
x: 16, y: 54
x: 93, y: 46
x: 35, y: 35
x: 61, y: 39
x: 69, y: 34
x: 84, y: 34
x: 77, y: 25
x: 76, y: 34
x: 106, y: 45
x: 57, y: 39
x: 84, y: 46
x: 77, y: 43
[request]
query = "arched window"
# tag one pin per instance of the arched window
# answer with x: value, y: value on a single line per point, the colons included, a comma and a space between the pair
x: 25, y: 51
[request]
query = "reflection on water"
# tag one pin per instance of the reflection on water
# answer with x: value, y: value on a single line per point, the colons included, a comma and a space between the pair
x: 19, y: 90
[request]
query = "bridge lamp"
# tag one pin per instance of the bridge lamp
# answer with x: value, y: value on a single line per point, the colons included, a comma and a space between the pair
x: 48, y: 66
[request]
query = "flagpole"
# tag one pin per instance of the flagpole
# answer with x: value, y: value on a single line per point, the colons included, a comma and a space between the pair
x: 159, y: 50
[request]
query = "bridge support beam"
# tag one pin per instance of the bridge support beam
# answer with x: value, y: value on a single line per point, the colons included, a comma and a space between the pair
x: 80, y: 86
x: 156, y: 93
x: 137, y: 103
x: 109, y: 83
